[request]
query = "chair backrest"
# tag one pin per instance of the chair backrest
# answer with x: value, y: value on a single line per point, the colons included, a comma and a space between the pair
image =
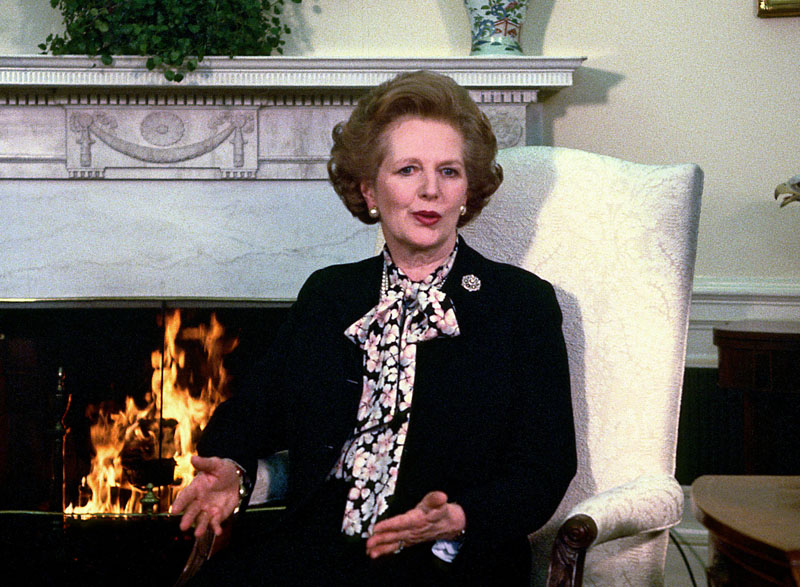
x: 618, y: 241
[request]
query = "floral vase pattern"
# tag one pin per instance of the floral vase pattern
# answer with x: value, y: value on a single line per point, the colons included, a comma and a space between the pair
x: 496, y: 26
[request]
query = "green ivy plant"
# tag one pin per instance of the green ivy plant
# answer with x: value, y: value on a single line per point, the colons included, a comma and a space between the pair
x: 174, y: 34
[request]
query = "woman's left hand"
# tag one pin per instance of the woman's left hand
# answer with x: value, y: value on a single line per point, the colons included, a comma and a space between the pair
x: 432, y: 519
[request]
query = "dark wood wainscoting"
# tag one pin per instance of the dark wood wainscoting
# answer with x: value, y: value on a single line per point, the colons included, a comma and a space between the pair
x: 711, y: 430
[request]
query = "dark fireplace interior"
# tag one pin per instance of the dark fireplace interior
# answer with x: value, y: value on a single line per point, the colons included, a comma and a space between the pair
x: 104, y: 349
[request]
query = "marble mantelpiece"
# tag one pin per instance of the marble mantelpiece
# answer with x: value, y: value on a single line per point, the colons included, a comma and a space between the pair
x: 117, y: 183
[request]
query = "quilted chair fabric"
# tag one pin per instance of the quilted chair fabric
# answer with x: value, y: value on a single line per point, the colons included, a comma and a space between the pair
x: 618, y: 241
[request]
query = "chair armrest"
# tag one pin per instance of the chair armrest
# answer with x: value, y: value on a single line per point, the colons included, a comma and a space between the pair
x: 272, y: 479
x: 201, y: 550
x: 649, y: 503
x: 574, y: 537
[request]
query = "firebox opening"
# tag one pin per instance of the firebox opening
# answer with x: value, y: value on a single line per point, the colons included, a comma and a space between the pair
x: 108, y: 354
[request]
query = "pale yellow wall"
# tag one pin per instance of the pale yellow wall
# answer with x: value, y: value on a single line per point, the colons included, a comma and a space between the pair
x: 702, y: 81
x: 26, y: 23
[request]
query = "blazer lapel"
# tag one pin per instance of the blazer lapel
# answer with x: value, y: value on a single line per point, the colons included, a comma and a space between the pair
x: 438, y: 360
x: 359, y: 295
x: 464, y: 287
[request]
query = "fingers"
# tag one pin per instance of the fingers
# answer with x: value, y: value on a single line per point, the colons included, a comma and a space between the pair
x: 205, y: 464
x: 216, y: 525
x: 387, y: 541
x: 433, y: 518
x: 197, y: 490
x: 430, y: 510
x: 208, y: 518
x: 190, y: 515
x: 385, y: 548
x: 183, y: 500
x: 202, y: 517
x: 433, y: 501
x: 201, y: 524
x: 387, y: 534
x: 403, y: 522
x: 207, y: 501
x: 392, y: 535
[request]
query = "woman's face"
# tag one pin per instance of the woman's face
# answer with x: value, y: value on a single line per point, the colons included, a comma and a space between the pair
x: 419, y: 189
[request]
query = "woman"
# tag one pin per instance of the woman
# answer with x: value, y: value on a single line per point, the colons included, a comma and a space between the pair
x: 423, y: 394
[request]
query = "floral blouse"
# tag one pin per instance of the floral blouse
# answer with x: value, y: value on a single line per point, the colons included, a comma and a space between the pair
x: 407, y: 313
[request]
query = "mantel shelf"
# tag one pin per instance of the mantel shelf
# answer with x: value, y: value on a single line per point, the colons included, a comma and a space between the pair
x: 531, y: 73
x: 232, y: 118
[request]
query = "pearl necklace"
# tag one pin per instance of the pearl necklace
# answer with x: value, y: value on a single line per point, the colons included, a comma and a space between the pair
x: 384, y: 281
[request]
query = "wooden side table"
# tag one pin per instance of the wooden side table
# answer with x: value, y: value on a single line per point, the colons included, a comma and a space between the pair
x: 762, y: 360
x: 754, y: 528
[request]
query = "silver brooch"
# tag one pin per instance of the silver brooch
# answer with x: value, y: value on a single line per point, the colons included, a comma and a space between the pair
x: 471, y: 282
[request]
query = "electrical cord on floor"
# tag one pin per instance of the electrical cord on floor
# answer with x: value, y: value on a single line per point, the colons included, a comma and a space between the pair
x: 683, y: 556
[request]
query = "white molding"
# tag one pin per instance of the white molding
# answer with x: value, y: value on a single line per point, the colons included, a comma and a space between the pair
x: 548, y: 73
x: 746, y: 286
x: 716, y: 301
x: 295, y: 101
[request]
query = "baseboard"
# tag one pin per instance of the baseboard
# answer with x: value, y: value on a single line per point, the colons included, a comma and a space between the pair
x: 716, y: 301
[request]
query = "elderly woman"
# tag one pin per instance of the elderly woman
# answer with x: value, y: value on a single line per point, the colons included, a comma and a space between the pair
x: 423, y: 394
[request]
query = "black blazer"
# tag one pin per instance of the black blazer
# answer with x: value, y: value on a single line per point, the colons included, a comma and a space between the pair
x: 491, y: 422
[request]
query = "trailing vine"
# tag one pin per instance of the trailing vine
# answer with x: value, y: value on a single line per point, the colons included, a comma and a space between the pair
x: 175, y: 35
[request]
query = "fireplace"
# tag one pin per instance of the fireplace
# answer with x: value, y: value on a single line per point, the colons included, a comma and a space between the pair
x: 107, y: 354
x: 124, y: 198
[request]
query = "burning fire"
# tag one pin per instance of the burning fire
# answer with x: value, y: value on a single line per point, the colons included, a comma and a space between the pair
x: 141, y: 444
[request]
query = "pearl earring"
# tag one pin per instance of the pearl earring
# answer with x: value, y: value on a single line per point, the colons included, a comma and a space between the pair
x: 463, y: 210
x: 373, y: 212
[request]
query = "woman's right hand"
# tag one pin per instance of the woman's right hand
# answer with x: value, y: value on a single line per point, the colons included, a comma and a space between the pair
x: 210, y: 498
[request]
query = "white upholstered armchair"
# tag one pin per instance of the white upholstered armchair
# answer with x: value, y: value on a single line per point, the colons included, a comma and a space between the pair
x: 618, y: 242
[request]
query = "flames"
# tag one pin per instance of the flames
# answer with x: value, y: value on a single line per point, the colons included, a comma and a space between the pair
x: 142, y: 443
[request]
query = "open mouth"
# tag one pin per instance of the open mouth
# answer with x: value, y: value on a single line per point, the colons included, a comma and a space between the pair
x: 427, y: 217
